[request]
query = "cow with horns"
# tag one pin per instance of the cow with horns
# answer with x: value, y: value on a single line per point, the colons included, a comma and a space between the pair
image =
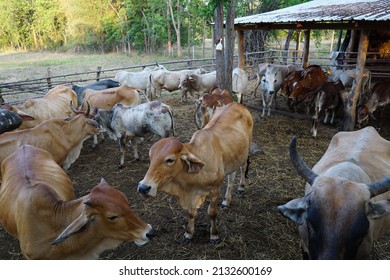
x: 346, y: 204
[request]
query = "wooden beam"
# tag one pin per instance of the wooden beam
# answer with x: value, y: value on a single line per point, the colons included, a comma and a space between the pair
x: 305, y: 61
x: 360, y: 25
x: 351, y: 100
x: 241, y: 50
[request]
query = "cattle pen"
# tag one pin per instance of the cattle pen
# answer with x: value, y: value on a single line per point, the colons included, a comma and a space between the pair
x: 250, y: 228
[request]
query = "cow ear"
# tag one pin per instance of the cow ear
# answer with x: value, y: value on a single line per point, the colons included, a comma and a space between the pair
x: 23, y: 115
x: 378, y: 209
x: 194, y: 163
x: 76, y: 226
x: 295, y: 210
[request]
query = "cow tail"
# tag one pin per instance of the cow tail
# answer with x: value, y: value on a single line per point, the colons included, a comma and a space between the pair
x: 172, y: 121
x: 247, y: 167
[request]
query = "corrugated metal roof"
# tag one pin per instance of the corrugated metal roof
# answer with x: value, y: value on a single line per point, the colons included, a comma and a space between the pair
x: 325, y: 11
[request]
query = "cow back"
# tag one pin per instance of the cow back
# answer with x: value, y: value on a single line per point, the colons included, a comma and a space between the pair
x: 25, y: 189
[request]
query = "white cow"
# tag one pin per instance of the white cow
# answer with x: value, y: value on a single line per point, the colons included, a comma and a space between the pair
x: 198, y: 83
x: 125, y: 123
x: 346, y: 76
x: 239, y: 81
x: 169, y: 80
x: 271, y: 82
x: 139, y: 80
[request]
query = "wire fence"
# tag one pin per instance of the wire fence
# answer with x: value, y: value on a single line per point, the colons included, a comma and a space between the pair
x: 18, y: 92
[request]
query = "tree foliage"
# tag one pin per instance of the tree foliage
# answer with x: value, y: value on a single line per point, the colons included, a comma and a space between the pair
x: 104, y: 25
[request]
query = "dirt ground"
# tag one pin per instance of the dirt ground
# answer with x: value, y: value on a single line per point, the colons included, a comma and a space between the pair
x: 250, y: 228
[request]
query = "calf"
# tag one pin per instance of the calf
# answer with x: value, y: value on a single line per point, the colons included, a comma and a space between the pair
x: 327, y: 99
x: 39, y: 208
x: 124, y: 123
x: 196, y: 170
x: 205, y: 106
x: 380, y: 97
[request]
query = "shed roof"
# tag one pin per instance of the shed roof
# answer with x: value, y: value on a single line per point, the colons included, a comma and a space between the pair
x: 320, y: 14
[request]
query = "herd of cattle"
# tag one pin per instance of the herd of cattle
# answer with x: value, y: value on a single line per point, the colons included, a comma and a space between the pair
x: 347, y: 193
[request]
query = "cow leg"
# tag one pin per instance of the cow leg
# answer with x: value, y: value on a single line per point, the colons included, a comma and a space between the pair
x: 229, y: 188
x: 244, y: 170
x: 264, y: 105
x: 192, y: 212
x: 332, y: 119
x: 326, y: 117
x: 122, y: 148
x: 212, y: 211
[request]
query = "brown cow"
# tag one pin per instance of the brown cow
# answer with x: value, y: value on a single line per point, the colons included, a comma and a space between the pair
x: 194, y: 171
x: 326, y: 99
x: 39, y: 208
x: 62, y: 138
x: 346, y: 204
x: 380, y: 97
x: 207, y: 104
x: 54, y: 104
x: 312, y: 77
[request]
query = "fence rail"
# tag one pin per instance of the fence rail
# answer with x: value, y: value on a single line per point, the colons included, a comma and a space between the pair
x: 17, y: 92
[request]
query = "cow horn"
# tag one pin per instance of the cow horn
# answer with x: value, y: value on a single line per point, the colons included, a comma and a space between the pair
x: 379, y: 187
x: 88, y: 108
x: 299, y: 164
x: 73, y: 108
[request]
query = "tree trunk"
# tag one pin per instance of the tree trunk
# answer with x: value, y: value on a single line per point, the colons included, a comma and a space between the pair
x: 169, y: 31
x: 218, y: 35
x: 176, y: 25
x: 229, y: 43
x: 287, y: 45
x: 351, y: 100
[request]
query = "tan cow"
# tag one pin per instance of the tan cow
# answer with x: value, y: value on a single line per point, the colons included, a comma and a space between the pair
x: 107, y: 98
x: 39, y: 208
x: 54, y: 104
x: 346, y: 203
x: 194, y: 171
x: 62, y: 138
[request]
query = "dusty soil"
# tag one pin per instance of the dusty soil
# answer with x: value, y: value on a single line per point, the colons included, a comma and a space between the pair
x: 250, y: 229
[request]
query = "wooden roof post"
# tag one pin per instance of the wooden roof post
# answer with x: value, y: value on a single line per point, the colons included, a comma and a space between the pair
x: 352, y: 98
x: 241, y: 54
x: 306, y: 35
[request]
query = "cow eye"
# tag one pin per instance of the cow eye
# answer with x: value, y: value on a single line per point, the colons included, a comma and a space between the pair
x: 112, y: 218
x: 169, y: 161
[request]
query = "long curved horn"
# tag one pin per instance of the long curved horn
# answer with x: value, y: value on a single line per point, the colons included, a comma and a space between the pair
x: 88, y: 109
x: 299, y: 164
x: 73, y: 108
x: 379, y: 187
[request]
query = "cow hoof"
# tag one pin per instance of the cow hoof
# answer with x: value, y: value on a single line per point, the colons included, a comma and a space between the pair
x: 120, y: 166
x: 214, y: 241
x: 240, y: 192
x: 185, y: 241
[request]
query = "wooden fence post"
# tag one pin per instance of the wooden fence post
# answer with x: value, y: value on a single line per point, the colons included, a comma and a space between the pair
x: 99, y: 70
x: 48, y: 78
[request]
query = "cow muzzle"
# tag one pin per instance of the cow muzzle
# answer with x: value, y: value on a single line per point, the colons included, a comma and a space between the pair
x: 146, y: 190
